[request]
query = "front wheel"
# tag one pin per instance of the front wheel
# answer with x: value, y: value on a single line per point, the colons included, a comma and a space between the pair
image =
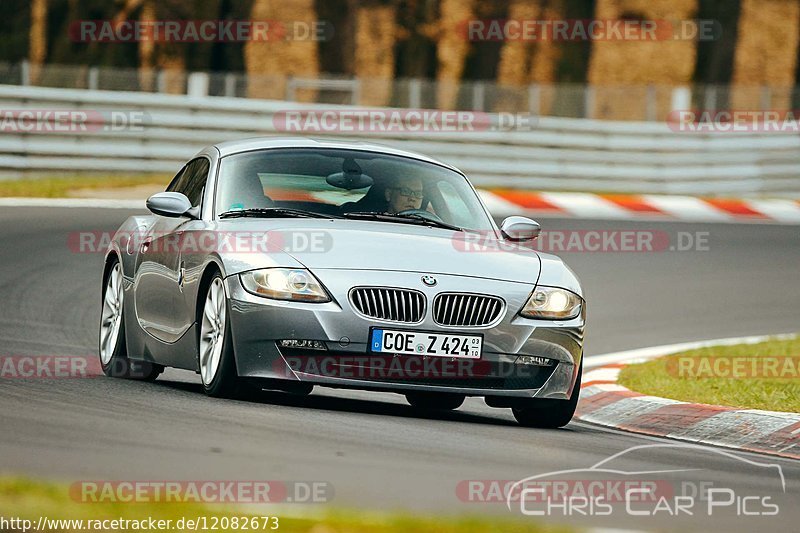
x: 433, y: 400
x: 113, y: 352
x: 550, y: 414
x: 215, y: 354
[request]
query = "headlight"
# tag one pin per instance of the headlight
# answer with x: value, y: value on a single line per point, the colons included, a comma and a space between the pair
x: 552, y: 303
x: 284, y: 284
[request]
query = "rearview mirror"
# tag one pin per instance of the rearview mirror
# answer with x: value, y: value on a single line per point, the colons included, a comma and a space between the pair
x: 170, y: 204
x: 350, y: 177
x: 520, y: 229
x: 349, y: 180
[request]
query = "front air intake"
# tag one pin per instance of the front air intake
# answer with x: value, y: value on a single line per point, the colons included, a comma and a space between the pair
x: 384, y: 303
x: 465, y: 309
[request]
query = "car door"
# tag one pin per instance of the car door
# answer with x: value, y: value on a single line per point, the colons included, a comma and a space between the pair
x: 160, y: 274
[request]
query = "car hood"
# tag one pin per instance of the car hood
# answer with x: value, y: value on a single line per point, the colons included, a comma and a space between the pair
x: 366, y: 245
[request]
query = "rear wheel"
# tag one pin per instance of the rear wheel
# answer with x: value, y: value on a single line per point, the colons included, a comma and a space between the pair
x: 435, y: 400
x: 215, y: 354
x: 113, y: 353
x: 549, y: 413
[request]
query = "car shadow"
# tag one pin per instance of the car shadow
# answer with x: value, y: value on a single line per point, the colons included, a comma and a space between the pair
x: 318, y: 400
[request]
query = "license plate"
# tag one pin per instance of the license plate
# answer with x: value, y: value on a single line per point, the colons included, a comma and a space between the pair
x: 424, y: 343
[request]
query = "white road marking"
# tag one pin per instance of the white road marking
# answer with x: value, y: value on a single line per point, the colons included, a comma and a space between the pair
x: 103, y: 203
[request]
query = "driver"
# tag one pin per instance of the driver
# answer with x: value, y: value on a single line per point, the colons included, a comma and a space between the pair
x: 406, y: 193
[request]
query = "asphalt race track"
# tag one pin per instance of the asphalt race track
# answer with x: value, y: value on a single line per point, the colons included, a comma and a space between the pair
x: 373, y: 448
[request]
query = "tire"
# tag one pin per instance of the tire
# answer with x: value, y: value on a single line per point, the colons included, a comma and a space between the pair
x: 215, y: 357
x: 550, y: 414
x: 112, y: 347
x: 435, y: 400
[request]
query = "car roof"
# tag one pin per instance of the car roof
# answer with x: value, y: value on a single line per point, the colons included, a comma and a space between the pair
x: 265, y: 143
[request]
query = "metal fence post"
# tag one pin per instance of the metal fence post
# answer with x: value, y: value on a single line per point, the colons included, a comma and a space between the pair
x: 766, y: 97
x: 290, y: 89
x: 414, y: 93
x: 161, y: 82
x: 355, y: 93
x: 588, y: 101
x: 478, y: 96
x: 25, y: 72
x: 197, y: 84
x: 681, y: 99
x: 230, y: 84
x: 535, y: 99
x: 710, y: 98
x: 650, y: 111
x: 93, y: 78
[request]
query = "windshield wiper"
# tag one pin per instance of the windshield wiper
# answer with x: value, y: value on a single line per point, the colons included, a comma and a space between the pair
x: 281, y: 212
x: 274, y: 212
x: 411, y: 218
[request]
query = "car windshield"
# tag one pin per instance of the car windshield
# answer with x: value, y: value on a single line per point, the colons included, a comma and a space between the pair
x: 348, y: 183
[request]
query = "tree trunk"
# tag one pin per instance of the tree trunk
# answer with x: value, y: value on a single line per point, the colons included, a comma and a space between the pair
x: 517, y: 57
x: 374, y: 52
x: 147, y: 50
x: 268, y: 63
x: 452, y: 48
x: 534, y: 61
x: 37, y: 39
x: 766, y: 53
x: 638, y: 63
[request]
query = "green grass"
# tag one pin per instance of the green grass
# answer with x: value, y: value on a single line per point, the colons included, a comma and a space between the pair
x: 30, y: 499
x: 60, y: 187
x: 684, y: 377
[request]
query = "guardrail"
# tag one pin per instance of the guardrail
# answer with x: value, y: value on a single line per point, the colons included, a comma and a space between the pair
x: 553, y: 154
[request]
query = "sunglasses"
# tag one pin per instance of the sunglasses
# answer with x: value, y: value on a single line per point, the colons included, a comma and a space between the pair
x: 405, y: 191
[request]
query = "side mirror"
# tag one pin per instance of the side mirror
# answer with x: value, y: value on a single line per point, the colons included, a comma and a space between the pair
x: 520, y: 229
x: 170, y: 204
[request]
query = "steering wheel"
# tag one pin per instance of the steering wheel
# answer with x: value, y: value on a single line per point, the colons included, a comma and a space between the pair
x: 422, y: 213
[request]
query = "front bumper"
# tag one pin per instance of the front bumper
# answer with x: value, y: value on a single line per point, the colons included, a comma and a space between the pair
x: 258, y: 323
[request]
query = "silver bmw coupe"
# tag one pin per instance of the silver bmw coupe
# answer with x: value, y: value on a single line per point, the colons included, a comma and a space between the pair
x: 288, y: 263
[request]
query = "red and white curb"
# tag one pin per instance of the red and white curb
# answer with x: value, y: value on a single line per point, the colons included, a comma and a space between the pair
x: 504, y: 202
x: 554, y: 204
x: 605, y: 402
